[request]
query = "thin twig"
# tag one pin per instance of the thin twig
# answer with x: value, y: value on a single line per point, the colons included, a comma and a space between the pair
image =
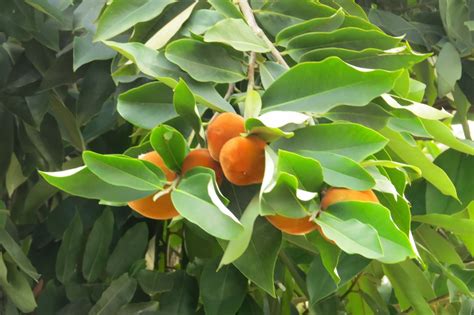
x: 251, y: 71
x: 300, y: 282
x: 354, y: 282
x: 229, y: 92
x: 430, y: 302
x: 250, y: 18
x: 466, y: 129
x: 167, y: 190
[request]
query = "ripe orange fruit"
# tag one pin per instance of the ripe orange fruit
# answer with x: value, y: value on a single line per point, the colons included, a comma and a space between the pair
x: 221, y: 129
x: 243, y: 160
x: 292, y: 226
x: 334, y: 195
x: 162, y: 208
x: 201, y: 157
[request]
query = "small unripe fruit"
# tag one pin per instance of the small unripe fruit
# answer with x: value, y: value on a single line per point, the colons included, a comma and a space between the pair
x: 243, y: 160
x: 162, y: 208
x: 221, y: 129
x: 201, y: 157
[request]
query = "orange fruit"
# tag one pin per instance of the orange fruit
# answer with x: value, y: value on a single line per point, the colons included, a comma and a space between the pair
x: 292, y: 226
x: 243, y: 160
x: 334, y: 195
x: 162, y: 208
x: 221, y: 129
x: 201, y: 157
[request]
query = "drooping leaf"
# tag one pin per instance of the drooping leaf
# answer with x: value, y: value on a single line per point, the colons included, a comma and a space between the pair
x: 119, y: 293
x: 183, y: 297
x: 171, y: 146
x: 70, y: 250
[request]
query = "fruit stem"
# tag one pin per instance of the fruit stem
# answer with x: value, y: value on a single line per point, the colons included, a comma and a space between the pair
x: 167, y: 190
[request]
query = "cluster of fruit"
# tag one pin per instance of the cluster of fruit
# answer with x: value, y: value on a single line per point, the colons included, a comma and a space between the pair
x: 241, y: 160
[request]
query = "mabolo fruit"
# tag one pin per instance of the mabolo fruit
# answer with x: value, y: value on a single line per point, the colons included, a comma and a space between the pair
x: 201, y: 157
x: 221, y: 129
x: 162, y: 208
x: 304, y: 225
x: 243, y: 160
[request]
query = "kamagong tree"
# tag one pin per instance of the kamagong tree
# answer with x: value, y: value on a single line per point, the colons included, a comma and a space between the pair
x: 337, y: 97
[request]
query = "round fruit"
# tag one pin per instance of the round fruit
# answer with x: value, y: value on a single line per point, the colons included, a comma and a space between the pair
x: 243, y: 160
x: 201, y: 157
x: 292, y: 226
x: 221, y: 129
x: 162, y: 208
x: 334, y: 195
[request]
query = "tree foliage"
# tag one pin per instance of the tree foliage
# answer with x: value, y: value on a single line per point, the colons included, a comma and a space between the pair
x: 368, y: 95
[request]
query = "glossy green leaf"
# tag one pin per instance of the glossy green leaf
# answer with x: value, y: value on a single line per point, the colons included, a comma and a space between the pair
x: 130, y: 248
x: 372, y: 115
x: 305, y: 87
x: 258, y: 261
x: 183, y: 298
x: 197, y: 200
x: 170, y: 145
x: 348, y: 38
x: 226, y: 7
x: 70, y: 250
x: 329, y: 253
x: 308, y: 171
x: 451, y: 162
x: 154, y: 64
x: 200, y: 21
x: 153, y: 281
x: 185, y: 105
x: 236, y: 247
x: 419, y: 109
x: 205, y: 62
x: 414, y: 156
x: 85, y: 51
x: 119, y: 293
x: 223, y: 291
x: 122, y: 14
x: 148, y: 105
x: 121, y: 170
x: 98, y: 246
x: 269, y: 72
x: 139, y: 308
x: 447, y: 222
x: 16, y: 253
x: 235, y: 33
x: 438, y: 246
x: 444, y: 135
x: 82, y: 182
x: 350, y: 140
x: 448, y: 68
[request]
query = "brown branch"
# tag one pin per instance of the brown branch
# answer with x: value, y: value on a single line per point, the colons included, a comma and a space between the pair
x: 251, y: 71
x: 250, y: 18
x: 349, y: 290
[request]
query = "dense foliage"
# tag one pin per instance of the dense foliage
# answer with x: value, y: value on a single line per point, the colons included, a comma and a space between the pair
x: 368, y: 95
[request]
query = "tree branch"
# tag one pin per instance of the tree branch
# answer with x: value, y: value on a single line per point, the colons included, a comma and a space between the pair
x: 250, y: 18
x: 251, y: 72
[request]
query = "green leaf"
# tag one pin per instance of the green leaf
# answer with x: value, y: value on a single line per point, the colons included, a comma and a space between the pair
x: 444, y: 135
x: 372, y: 58
x: 87, y: 13
x: 395, y: 244
x: 419, y: 109
x: 452, y: 162
x: 183, y: 298
x: 121, y: 170
x: 438, y: 246
x: 196, y: 200
x: 414, y: 156
x: 205, y: 62
x: 119, y: 293
x: 170, y: 145
x: 185, y: 105
x: 98, y: 246
x: 236, y: 247
x: 329, y: 253
x: 269, y: 72
x: 351, y: 140
x: 372, y: 115
x: 406, y: 288
x: 148, y: 105
x: 70, y: 250
x: 340, y: 171
x: 236, y: 33
x: 320, y: 24
x: 85, y: 51
x: 16, y: 287
x: 17, y: 255
x: 448, y: 68
x: 227, y: 8
x: 307, y: 88
x: 139, y: 308
x: 67, y: 122
x: 348, y: 38
x: 320, y: 284
x: 447, y: 222
x: 153, y: 282
x: 258, y: 261
x: 200, y: 21
x: 120, y: 15
x: 130, y: 248
x: 253, y: 104
x: 82, y: 182
x: 154, y: 64
x: 222, y: 292
x: 308, y: 171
